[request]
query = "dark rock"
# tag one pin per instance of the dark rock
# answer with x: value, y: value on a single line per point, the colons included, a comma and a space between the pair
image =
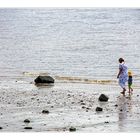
x: 121, y: 110
x: 72, y: 129
x: 99, y: 109
x: 44, y: 79
x: 87, y: 108
x: 28, y: 127
x: 83, y: 107
x: 103, y: 98
x: 72, y: 102
x: 106, y: 122
x: 27, y: 121
x: 45, y: 112
x: 52, y: 106
x: 81, y: 100
x: 1, y: 128
x: 116, y: 105
x: 137, y: 95
x: 83, y: 104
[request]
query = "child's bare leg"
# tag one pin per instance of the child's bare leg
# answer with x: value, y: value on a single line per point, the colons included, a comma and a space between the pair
x: 131, y: 90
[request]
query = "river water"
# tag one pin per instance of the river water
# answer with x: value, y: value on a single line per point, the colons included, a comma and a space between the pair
x: 69, y: 42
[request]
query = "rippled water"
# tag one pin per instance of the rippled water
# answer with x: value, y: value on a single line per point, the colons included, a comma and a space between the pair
x: 69, y: 42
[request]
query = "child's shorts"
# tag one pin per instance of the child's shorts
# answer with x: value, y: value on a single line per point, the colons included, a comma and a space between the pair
x: 129, y: 85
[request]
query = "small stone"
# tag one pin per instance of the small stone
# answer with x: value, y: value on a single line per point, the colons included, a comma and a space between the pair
x: 83, y: 107
x: 137, y: 95
x: 27, y: 121
x: 72, y: 102
x: 106, y: 122
x: 52, y: 106
x: 99, y: 109
x: 28, y: 127
x: 83, y: 104
x: 107, y: 116
x: 116, y: 105
x: 45, y: 112
x: 81, y: 100
x: 72, y: 129
x: 87, y: 108
x: 1, y: 128
x: 121, y: 110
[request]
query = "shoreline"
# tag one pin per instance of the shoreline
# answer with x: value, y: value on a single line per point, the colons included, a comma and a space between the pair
x: 69, y: 104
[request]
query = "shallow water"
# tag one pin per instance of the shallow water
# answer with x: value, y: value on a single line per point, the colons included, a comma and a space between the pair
x: 68, y: 42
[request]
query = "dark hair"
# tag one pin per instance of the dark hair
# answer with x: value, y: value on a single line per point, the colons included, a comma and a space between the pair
x: 121, y: 60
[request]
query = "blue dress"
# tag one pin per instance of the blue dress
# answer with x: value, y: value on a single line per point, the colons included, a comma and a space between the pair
x: 123, y: 77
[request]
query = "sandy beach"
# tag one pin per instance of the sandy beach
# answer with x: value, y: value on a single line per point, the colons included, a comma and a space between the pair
x: 69, y: 104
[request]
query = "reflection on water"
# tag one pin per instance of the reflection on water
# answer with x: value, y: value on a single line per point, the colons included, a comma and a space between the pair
x: 124, y: 110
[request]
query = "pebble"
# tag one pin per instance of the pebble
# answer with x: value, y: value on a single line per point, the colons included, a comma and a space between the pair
x: 106, y: 122
x: 116, y: 105
x: 83, y: 104
x: 1, y: 128
x: 45, y: 112
x: 27, y: 127
x: 121, y: 110
x: 83, y: 107
x: 99, y: 109
x: 27, y: 121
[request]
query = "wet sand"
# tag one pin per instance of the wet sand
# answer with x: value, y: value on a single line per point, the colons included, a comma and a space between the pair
x: 69, y: 104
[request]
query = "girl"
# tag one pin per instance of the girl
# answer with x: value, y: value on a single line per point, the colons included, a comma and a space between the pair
x: 122, y: 75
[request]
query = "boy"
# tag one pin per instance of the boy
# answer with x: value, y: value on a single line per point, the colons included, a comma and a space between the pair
x: 130, y: 82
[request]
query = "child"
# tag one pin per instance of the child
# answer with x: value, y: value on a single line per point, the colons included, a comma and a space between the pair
x: 122, y: 75
x: 130, y: 82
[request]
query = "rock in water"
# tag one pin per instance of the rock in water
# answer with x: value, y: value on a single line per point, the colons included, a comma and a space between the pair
x: 103, y: 98
x: 72, y: 129
x: 44, y: 79
x: 99, y: 109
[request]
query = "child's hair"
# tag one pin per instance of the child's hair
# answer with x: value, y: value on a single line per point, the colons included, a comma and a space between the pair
x: 121, y: 60
x: 129, y: 73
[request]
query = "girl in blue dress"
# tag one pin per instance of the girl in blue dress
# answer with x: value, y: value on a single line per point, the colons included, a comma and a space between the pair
x: 122, y: 75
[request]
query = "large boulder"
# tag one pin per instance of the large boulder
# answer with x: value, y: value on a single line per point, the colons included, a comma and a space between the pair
x: 103, y: 98
x: 44, y: 79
